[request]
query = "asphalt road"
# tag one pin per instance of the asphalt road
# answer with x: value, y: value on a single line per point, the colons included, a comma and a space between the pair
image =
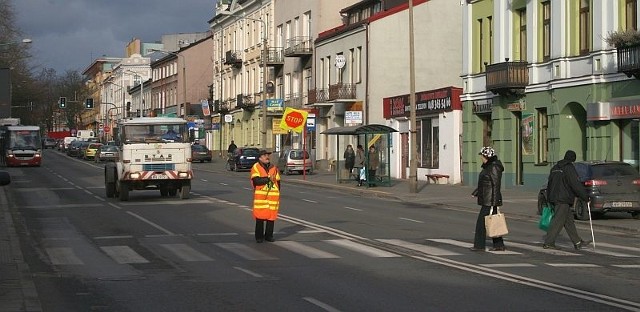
x: 334, y: 252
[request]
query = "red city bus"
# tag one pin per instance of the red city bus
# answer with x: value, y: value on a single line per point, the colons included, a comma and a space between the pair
x: 20, y: 146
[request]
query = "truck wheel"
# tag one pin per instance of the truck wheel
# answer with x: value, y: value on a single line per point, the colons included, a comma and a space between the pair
x: 164, y: 192
x: 110, y: 187
x: 185, y: 190
x: 124, y: 191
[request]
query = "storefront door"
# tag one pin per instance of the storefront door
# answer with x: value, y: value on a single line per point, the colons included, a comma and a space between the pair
x: 629, y: 141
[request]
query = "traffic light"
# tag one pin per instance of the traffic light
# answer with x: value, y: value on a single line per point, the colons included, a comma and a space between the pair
x: 62, y: 103
x: 88, y: 103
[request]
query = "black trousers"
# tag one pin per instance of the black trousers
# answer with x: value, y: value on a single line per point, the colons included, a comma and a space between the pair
x: 372, y: 177
x: 562, y: 217
x: 480, y: 240
x: 261, y: 232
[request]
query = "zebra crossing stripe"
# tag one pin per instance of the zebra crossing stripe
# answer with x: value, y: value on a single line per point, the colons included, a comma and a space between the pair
x: 245, y: 251
x: 609, y: 253
x: 363, y: 249
x: 434, y: 251
x: 573, y: 265
x: 186, y: 253
x: 305, y: 250
x: 542, y: 250
x: 629, y: 248
x: 123, y: 254
x: 627, y: 266
x: 63, y: 256
x: 469, y: 245
x: 508, y: 265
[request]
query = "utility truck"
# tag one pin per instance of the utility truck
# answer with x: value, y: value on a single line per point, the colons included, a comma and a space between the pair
x: 154, y: 154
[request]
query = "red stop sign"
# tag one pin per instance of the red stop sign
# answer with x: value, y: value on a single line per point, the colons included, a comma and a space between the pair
x: 106, y: 129
x: 294, y: 119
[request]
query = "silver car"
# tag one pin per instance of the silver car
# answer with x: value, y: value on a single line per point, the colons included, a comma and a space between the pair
x: 295, y: 160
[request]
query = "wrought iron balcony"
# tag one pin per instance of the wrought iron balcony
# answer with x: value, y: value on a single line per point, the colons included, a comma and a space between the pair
x: 318, y: 96
x: 293, y: 100
x: 342, y: 91
x: 629, y: 61
x: 508, y: 77
x: 221, y: 107
x: 233, y: 58
x: 275, y: 57
x: 245, y: 102
x: 298, y: 46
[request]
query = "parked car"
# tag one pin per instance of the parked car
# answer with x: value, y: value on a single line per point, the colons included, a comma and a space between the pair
x: 245, y: 157
x: 90, y: 151
x: 613, y: 186
x: 107, y: 153
x: 200, y: 153
x: 73, y: 148
x: 295, y: 160
x: 67, y: 141
x: 82, y: 148
x: 49, y: 143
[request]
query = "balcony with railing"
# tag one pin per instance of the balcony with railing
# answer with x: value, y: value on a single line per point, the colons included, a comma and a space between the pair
x: 342, y: 91
x: 318, y: 96
x: 508, y: 77
x: 245, y: 102
x: 293, y: 100
x: 275, y: 57
x: 221, y: 107
x: 629, y: 61
x: 298, y: 46
x: 233, y: 58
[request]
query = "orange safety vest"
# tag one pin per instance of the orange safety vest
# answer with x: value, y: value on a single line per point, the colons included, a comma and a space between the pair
x: 266, y: 199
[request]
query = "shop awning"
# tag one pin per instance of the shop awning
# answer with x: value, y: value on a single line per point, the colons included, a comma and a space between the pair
x: 362, y: 129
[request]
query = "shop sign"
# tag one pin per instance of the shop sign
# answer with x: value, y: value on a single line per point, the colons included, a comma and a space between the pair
x: 353, y: 117
x: 275, y: 126
x: 614, y: 109
x: 275, y: 105
x: 427, y: 103
x: 517, y: 106
x: 482, y: 106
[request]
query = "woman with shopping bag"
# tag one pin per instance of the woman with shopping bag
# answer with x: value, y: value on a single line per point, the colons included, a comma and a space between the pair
x: 489, y: 198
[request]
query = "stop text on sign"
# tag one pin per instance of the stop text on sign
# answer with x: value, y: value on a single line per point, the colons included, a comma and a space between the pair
x: 293, y: 119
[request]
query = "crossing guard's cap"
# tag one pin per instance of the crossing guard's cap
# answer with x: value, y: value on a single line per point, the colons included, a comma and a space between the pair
x: 264, y: 152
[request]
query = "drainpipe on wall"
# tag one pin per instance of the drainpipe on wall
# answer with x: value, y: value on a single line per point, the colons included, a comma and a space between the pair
x: 366, y: 96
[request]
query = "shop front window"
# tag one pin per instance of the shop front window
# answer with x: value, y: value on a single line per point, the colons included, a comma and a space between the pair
x: 428, y: 143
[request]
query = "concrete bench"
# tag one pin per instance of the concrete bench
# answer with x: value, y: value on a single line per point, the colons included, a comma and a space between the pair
x: 436, y: 177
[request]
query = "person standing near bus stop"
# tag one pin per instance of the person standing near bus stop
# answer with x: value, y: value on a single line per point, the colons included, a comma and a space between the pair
x: 265, y: 179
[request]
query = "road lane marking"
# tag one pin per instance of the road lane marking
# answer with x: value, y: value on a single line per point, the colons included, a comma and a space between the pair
x: 42, y: 189
x: 245, y: 252
x: 411, y: 220
x: 573, y: 265
x: 99, y: 198
x: 542, y: 250
x: 434, y: 251
x: 88, y: 192
x: 311, y: 231
x: 63, y: 206
x: 363, y: 249
x: 63, y: 256
x: 507, y: 265
x: 629, y: 248
x: 469, y: 245
x: 627, y: 266
x: 309, y: 200
x: 186, y: 253
x: 351, y: 208
x: 204, y: 180
x: 222, y: 183
x: 141, y: 218
x: 217, y: 234
x: 254, y: 274
x: 320, y: 304
x: 305, y: 250
x: 114, y: 237
x: 123, y: 254
x: 165, y: 202
x: 114, y: 206
x: 608, y: 253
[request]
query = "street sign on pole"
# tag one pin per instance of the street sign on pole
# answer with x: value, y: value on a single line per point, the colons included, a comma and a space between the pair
x: 106, y: 128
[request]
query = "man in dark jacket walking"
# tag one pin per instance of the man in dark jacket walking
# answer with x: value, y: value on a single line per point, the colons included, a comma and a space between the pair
x: 562, y: 189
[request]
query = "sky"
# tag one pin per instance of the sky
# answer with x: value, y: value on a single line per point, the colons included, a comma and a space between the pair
x: 71, y: 34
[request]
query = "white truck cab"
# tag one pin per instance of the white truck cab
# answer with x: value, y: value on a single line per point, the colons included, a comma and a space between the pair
x: 154, y: 154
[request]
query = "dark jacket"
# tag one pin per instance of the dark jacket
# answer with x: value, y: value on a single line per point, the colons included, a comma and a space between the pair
x: 566, y: 190
x: 489, y: 183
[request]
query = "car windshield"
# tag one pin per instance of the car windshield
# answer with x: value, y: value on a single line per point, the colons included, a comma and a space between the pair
x: 108, y: 148
x: 199, y: 148
x: 154, y: 133
x: 612, y: 170
x: 297, y: 155
x: 250, y: 152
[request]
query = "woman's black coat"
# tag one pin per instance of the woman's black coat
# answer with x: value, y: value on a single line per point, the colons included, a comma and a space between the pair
x: 489, y: 181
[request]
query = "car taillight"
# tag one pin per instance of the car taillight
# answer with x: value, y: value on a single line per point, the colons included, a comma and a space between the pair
x: 595, y: 182
x: 636, y: 182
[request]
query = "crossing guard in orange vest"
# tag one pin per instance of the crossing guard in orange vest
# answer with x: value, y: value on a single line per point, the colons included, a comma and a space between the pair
x: 265, y: 179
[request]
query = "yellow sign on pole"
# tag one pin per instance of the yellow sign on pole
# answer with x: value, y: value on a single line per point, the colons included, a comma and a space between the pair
x: 294, y: 120
x: 275, y: 127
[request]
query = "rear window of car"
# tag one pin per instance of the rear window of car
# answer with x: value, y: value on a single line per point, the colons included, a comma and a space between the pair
x: 108, y: 148
x: 92, y: 146
x: 199, y: 148
x: 297, y: 155
x: 612, y: 170
x: 250, y: 152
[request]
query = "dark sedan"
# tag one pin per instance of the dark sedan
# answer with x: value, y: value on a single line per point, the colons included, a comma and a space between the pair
x: 245, y: 157
x: 73, y: 149
x: 612, y: 186
x: 200, y: 153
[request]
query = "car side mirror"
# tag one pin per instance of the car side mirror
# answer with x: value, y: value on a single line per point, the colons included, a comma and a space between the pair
x: 5, y: 178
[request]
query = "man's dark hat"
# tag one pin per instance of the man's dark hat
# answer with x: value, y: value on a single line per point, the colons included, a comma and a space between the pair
x: 264, y: 152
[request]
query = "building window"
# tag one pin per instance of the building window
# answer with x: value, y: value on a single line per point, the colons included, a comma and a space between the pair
x: 428, y: 143
x: 480, y: 45
x: 490, y: 41
x: 487, y: 128
x: 631, y: 18
x: 546, y: 30
x: 522, y: 14
x: 543, y: 135
x: 585, y: 27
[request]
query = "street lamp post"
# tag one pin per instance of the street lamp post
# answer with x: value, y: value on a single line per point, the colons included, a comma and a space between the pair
x: 265, y: 51
x: 413, y: 164
x: 184, y: 76
x: 134, y: 74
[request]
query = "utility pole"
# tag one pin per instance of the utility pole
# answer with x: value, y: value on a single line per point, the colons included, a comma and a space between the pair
x: 265, y: 77
x: 413, y: 163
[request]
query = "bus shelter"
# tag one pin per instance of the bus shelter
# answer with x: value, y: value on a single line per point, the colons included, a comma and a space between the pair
x: 378, y: 136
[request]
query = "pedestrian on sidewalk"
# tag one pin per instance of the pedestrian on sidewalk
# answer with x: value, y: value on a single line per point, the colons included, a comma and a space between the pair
x: 562, y: 189
x: 372, y: 164
x: 349, y: 160
x: 265, y: 179
x: 488, y: 195
x: 359, y: 163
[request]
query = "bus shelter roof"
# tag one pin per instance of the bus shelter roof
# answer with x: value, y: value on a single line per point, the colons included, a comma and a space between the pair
x: 362, y: 129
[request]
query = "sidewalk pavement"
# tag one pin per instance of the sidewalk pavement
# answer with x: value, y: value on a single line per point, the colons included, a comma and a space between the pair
x: 518, y: 202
